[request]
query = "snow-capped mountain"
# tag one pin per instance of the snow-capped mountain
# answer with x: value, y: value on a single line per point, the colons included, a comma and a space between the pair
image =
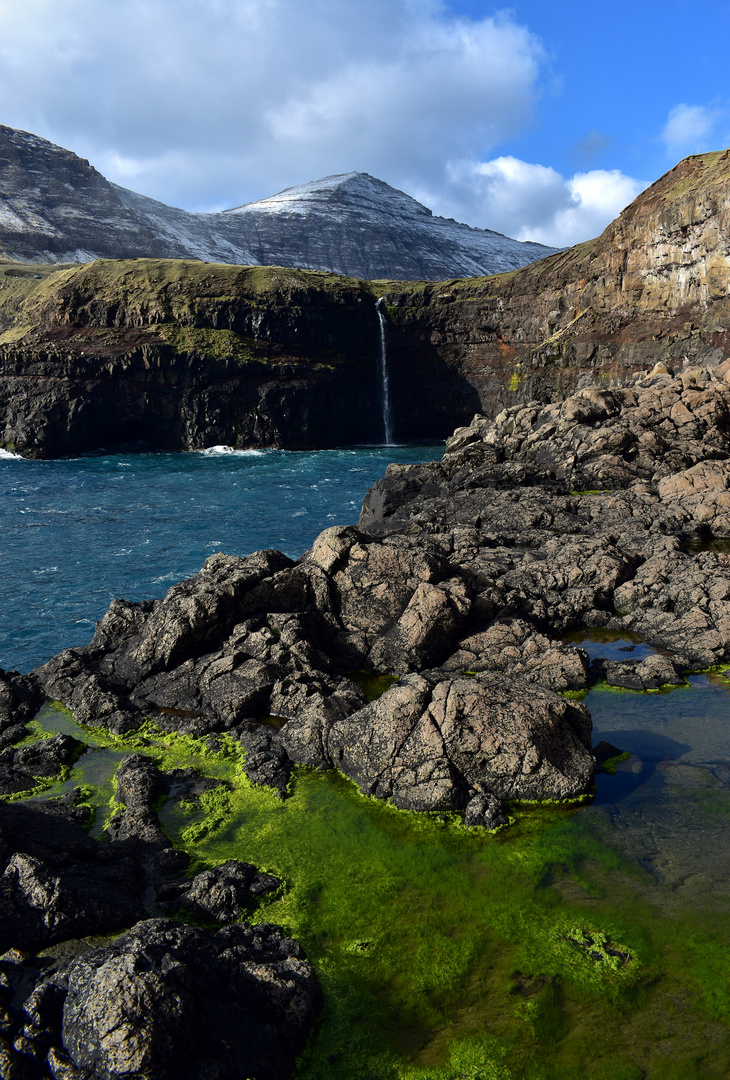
x: 55, y: 207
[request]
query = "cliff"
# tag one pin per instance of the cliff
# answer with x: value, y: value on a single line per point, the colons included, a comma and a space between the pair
x: 178, y: 355
x: 653, y: 287
x: 183, y: 354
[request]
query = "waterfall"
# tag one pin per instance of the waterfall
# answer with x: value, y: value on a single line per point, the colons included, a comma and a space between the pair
x: 387, y: 423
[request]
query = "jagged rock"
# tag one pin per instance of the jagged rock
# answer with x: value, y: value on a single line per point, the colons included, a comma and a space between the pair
x: 57, y: 882
x: 484, y: 810
x: 139, y: 785
x: 95, y: 699
x: 267, y: 762
x: 20, y: 700
x: 20, y: 767
x: 475, y: 564
x: 224, y: 893
x: 168, y: 1001
x: 513, y: 646
x: 647, y: 674
x: 431, y: 738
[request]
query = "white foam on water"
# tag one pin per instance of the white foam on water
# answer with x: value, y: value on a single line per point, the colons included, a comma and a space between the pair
x: 215, y: 451
x: 8, y: 455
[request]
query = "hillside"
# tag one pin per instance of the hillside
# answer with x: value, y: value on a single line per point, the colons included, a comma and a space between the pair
x: 55, y: 207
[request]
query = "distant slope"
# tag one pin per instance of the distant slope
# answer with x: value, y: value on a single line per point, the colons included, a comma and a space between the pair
x: 55, y: 207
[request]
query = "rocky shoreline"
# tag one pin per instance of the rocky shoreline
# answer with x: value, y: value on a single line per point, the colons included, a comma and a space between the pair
x: 453, y: 596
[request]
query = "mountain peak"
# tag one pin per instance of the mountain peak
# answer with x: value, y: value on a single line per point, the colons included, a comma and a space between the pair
x: 55, y: 207
x: 352, y: 187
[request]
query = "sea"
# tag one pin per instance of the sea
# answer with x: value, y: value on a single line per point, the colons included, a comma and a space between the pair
x: 75, y: 533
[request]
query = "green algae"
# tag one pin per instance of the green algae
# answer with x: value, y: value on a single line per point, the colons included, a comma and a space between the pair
x: 445, y: 952
x: 372, y: 684
x: 608, y: 765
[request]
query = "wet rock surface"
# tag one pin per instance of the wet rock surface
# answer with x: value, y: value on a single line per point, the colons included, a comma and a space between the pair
x: 461, y: 580
x: 460, y: 583
x: 21, y: 768
x: 165, y: 1001
x: 58, y: 882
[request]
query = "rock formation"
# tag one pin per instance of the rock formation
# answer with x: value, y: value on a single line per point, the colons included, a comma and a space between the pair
x: 460, y: 581
x: 454, y: 594
x: 179, y: 355
x: 164, y: 1000
x: 55, y: 207
x: 652, y: 288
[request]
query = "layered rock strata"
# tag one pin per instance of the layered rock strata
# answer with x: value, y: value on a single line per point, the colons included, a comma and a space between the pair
x: 181, y: 355
x: 653, y: 287
x: 173, y: 355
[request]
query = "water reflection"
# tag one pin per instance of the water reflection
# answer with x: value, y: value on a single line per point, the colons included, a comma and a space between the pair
x: 667, y: 809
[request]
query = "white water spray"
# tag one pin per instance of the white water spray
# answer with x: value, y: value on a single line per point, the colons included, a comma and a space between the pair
x: 387, y: 423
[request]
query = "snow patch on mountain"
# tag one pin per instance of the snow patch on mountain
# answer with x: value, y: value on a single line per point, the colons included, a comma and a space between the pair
x: 56, y: 207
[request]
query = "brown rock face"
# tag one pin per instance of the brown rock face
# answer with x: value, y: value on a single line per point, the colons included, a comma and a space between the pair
x: 181, y: 354
x: 653, y: 287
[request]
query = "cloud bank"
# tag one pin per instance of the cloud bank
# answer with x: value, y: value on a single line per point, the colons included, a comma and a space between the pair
x: 534, y: 202
x: 210, y: 103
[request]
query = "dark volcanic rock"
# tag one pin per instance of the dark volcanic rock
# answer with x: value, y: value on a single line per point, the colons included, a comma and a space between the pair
x: 430, y: 742
x: 57, y: 882
x: 647, y: 674
x: 224, y: 893
x: 462, y: 578
x: 21, y: 767
x: 169, y: 1002
x: 20, y: 699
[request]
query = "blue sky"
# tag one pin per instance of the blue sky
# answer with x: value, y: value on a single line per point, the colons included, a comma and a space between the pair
x: 540, y: 120
x: 613, y: 72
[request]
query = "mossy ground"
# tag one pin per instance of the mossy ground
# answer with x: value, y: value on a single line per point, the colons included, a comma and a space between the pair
x: 537, y: 953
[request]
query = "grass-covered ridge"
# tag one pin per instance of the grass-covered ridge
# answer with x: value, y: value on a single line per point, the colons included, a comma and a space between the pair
x: 143, y: 293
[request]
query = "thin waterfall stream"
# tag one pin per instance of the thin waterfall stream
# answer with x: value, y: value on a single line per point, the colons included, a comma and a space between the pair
x: 387, y: 422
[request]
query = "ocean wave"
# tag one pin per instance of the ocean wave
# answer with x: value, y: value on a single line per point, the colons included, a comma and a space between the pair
x: 216, y: 451
x: 8, y: 454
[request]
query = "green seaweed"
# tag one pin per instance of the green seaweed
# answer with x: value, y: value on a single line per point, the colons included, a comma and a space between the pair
x: 608, y: 765
x: 372, y: 684
x: 446, y: 952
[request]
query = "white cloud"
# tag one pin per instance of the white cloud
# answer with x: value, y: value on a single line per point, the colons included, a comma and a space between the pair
x: 534, y: 202
x: 690, y: 129
x: 204, y: 103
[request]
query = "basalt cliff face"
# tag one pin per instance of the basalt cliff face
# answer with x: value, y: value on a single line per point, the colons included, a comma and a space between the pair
x: 175, y: 354
x: 55, y: 207
x: 653, y: 287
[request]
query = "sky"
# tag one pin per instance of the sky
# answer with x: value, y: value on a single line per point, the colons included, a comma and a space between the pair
x: 539, y: 120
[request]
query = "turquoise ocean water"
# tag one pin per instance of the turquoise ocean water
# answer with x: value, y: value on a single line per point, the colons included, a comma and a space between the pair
x: 76, y: 533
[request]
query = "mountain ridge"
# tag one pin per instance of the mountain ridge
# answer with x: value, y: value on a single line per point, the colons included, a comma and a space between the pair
x: 56, y: 207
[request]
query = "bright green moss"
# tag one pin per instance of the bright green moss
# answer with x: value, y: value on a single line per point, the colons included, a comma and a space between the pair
x: 446, y: 952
